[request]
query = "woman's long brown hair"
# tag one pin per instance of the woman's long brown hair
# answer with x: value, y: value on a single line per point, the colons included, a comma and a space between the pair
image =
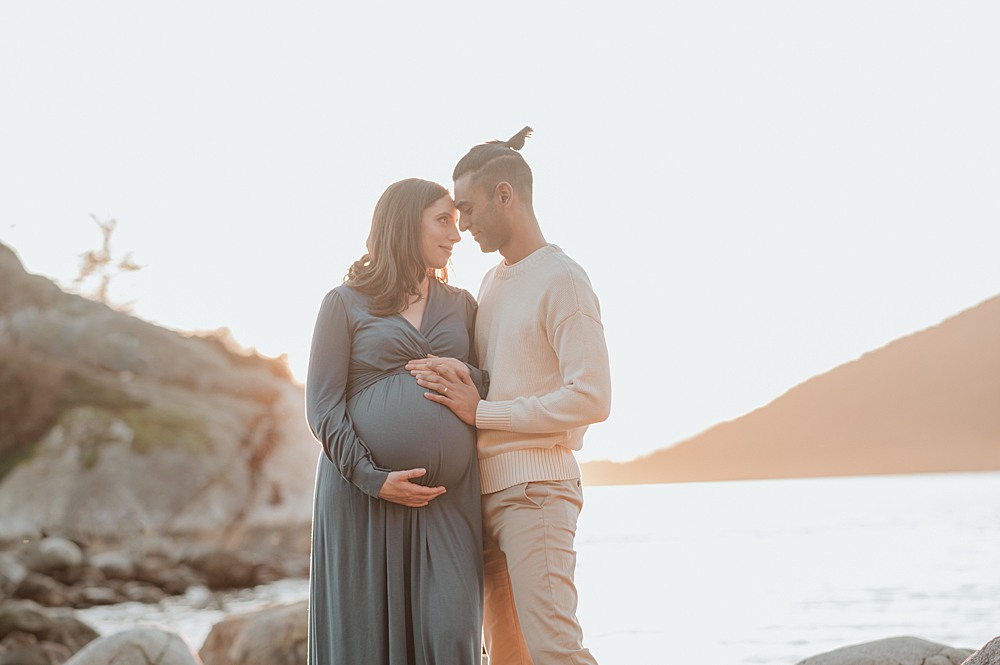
x: 392, y: 269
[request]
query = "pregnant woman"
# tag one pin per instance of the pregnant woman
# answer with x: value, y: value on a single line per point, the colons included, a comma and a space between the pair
x: 396, y: 569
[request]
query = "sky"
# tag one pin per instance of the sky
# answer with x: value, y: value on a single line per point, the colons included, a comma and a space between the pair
x: 759, y: 191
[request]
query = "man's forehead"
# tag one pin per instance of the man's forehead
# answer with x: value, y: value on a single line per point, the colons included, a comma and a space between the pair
x: 463, y: 188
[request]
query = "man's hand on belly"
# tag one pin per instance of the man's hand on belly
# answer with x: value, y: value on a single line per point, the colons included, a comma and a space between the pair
x: 397, y: 488
x: 452, y: 383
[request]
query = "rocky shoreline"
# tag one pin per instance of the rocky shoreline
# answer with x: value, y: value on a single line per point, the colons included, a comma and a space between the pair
x: 43, y: 582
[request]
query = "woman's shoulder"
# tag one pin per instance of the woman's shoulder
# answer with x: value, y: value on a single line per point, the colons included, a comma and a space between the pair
x: 347, y: 295
x: 457, y: 294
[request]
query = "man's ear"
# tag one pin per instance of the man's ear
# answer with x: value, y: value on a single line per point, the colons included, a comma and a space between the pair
x: 504, y: 193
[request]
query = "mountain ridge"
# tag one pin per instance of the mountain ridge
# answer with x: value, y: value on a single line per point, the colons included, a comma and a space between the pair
x: 926, y: 402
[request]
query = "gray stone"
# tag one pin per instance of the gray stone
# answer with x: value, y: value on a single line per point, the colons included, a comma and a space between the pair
x: 59, y: 626
x: 66, y: 629
x: 24, y: 616
x: 225, y: 570
x: 988, y: 655
x: 270, y: 636
x: 114, y: 565
x: 44, y: 590
x: 147, y: 645
x: 100, y: 595
x: 51, y: 555
x: 12, y: 572
x: 39, y: 653
x: 892, y: 651
x: 141, y: 592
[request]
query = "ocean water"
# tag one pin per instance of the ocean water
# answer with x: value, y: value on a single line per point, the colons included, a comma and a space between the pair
x: 762, y: 572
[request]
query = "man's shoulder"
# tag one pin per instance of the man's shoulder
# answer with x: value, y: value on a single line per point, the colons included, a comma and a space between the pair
x: 563, y: 271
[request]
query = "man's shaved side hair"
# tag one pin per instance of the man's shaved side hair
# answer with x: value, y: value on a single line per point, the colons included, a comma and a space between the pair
x: 494, y: 162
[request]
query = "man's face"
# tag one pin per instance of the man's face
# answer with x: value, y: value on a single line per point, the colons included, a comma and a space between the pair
x: 480, y: 214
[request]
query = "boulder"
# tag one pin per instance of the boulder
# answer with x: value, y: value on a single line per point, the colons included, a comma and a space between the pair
x: 52, y: 555
x: 227, y: 570
x: 988, y: 655
x: 44, y: 590
x: 153, y: 431
x: 58, y: 626
x: 165, y: 573
x: 892, y: 651
x: 12, y: 572
x: 66, y: 629
x: 99, y: 595
x: 146, y: 645
x: 22, y: 616
x: 141, y: 592
x: 270, y: 636
x: 34, y: 653
x: 114, y: 565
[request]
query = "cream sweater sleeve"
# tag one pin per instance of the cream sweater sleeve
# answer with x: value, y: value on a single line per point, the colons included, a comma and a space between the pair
x: 576, y: 335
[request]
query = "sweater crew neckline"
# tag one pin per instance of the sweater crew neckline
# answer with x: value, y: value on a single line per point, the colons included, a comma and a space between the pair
x: 505, y: 271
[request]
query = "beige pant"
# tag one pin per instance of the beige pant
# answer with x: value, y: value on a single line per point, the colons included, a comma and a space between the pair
x: 530, y: 605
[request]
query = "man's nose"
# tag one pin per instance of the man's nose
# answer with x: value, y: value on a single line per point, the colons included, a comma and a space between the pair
x: 463, y: 222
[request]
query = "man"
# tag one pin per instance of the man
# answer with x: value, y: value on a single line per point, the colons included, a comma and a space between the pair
x: 539, y: 335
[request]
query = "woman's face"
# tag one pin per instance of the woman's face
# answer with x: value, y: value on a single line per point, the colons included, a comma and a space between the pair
x: 438, y: 232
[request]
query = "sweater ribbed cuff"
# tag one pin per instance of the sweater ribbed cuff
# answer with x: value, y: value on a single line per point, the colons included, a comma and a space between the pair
x: 526, y: 465
x: 494, y: 415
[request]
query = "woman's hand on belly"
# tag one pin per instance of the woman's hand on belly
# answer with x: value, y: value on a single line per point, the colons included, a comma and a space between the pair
x: 397, y: 488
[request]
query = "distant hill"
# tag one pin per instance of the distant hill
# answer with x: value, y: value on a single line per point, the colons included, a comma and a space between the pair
x: 928, y: 402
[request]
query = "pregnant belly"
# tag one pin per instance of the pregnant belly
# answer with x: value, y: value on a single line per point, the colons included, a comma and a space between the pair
x: 405, y: 430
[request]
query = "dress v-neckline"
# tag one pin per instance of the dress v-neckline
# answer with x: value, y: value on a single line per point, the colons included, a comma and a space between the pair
x: 419, y: 329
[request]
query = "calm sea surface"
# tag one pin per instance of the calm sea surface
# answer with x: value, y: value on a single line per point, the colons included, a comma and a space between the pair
x: 746, y: 572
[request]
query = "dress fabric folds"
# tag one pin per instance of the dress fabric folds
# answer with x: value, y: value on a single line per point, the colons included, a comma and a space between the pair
x: 392, y: 585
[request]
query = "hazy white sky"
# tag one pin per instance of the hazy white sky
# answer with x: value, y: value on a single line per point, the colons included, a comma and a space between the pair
x: 759, y: 191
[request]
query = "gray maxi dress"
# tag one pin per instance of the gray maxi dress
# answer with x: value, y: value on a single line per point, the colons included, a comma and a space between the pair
x: 391, y: 585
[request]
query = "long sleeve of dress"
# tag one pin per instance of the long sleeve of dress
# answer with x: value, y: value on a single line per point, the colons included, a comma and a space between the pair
x: 326, y: 398
x: 480, y: 377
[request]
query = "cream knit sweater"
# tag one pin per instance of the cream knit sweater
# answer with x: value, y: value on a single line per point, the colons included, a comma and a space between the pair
x: 539, y: 334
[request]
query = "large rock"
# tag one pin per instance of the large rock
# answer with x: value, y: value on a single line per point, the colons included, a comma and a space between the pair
x: 892, y: 651
x: 271, y: 636
x: 138, y: 646
x: 155, y: 432
x: 114, y: 565
x: 52, y: 555
x: 58, y: 626
x: 45, y: 590
x: 229, y: 570
x: 988, y: 655
x: 12, y: 572
x: 33, y: 653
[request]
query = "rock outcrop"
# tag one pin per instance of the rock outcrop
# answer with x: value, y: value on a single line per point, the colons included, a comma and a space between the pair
x: 112, y: 427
